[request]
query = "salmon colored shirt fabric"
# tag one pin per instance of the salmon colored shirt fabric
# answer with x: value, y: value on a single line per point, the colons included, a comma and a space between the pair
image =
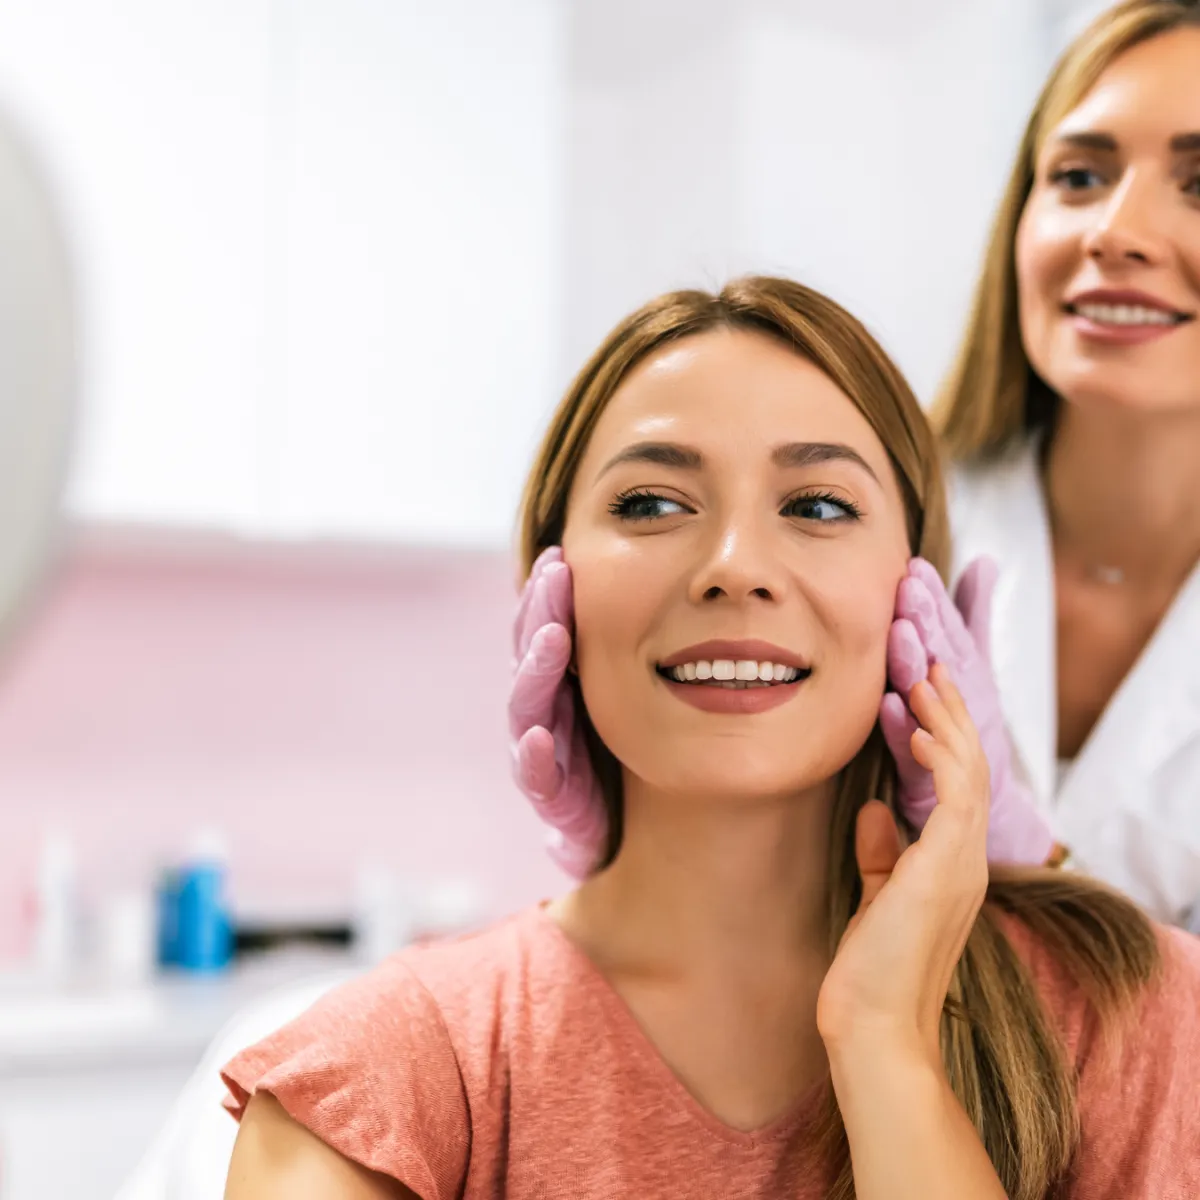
x: 504, y: 1065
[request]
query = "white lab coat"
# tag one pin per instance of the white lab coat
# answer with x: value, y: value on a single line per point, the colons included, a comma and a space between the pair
x: 1128, y: 806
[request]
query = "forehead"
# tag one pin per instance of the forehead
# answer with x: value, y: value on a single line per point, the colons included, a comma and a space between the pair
x: 1152, y: 88
x: 731, y: 392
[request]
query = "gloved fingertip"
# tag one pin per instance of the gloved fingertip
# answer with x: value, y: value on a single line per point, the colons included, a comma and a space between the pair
x: 551, y: 554
x: 551, y: 648
x: 538, y: 774
x: 897, y: 724
x: 892, y: 708
x: 924, y: 571
x: 907, y: 657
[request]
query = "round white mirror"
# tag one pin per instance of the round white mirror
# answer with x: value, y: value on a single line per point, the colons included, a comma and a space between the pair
x: 37, y: 374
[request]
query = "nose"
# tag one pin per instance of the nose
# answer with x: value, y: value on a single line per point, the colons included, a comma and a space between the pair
x: 1126, y: 229
x: 742, y: 565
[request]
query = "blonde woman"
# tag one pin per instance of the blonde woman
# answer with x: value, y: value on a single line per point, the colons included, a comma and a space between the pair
x: 1073, y: 414
x: 760, y: 989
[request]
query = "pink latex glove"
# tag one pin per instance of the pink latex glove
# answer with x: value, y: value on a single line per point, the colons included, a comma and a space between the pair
x: 550, y: 760
x: 930, y: 628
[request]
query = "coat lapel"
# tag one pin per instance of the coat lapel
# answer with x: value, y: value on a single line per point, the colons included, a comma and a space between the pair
x: 1153, y: 715
x: 998, y: 510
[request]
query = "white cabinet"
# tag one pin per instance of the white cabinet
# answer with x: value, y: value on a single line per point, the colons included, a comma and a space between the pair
x: 315, y: 244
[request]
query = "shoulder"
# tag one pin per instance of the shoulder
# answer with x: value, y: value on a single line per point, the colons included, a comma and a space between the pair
x: 1168, y: 1005
x: 1138, y: 1082
x: 384, y: 1068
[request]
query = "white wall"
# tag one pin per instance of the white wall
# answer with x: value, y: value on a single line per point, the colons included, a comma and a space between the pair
x: 316, y: 244
x: 416, y: 207
x: 339, y: 257
x: 150, y: 115
x: 860, y: 148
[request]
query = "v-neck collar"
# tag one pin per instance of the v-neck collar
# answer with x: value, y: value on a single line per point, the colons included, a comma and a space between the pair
x: 646, y: 1057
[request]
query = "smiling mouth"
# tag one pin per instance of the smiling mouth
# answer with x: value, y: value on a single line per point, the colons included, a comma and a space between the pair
x: 1127, y: 315
x: 734, y: 675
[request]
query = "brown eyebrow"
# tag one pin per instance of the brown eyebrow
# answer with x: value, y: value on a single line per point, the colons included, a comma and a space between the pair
x: 807, y: 454
x: 1087, y: 140
x: 1181, y: 143
x: 792, y: 454
x: 663, y: 454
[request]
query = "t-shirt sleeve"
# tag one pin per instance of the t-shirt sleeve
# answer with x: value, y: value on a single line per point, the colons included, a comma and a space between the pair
x: 371, y: 1071
x: 1139, y: 1098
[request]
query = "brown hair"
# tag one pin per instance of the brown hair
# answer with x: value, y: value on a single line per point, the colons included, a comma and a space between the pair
x: 992, y: 395
x: 1002, y: 1057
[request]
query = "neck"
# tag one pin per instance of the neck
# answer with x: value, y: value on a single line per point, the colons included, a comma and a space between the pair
x: 1123, y: 493
x: 727, y: 883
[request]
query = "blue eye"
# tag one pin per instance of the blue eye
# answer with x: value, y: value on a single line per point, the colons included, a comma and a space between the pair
x: 639, y: 505
x: 821, y: 506
x: 1075, y: 179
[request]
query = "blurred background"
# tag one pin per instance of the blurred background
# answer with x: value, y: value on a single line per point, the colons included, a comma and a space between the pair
x: 325, y: 268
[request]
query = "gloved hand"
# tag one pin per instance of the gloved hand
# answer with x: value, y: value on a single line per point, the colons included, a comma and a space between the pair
x: 930, y: 628
x: 550, y: 760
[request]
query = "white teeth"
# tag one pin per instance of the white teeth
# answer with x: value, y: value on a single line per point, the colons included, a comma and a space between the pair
x: 731, y: 673
x: 1125, y: 314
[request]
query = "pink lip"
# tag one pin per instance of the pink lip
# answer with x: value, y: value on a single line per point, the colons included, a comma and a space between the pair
x: 735, y: 701
x: 748, y: 650
x: 1122, y: 335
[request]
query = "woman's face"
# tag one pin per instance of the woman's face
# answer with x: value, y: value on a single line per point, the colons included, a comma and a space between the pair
x: 1108, y: 248
x: 733, y: 507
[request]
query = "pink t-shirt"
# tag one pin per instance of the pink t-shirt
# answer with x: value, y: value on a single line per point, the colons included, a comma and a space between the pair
x: 503, y: 1064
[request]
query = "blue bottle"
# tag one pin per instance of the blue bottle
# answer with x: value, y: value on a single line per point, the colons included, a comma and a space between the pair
x: 202, y: 925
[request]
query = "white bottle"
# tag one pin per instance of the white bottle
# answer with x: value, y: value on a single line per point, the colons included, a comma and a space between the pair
x: 382, y: 919
x: 55, y: 908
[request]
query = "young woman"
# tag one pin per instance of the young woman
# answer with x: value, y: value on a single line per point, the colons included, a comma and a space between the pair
x: 761, y: 990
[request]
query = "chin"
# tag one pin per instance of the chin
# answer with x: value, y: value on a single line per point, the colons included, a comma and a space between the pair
x: 1122, y: 388
x: 742, y: 769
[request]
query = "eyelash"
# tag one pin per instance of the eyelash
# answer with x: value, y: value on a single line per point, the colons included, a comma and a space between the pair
x: 1061, y: 176
x: 622, y: 505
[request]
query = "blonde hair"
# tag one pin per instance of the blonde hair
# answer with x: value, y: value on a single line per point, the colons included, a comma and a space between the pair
x: 992, y: 396
x: 1003, y: 1059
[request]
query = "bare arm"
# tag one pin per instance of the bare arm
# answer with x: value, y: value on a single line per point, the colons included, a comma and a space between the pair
x: 276, y: 1158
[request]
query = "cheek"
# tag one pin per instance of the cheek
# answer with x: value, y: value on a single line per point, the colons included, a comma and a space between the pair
x: 614, y: 599
x: 858, y: 605
x: 1045, y: 258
